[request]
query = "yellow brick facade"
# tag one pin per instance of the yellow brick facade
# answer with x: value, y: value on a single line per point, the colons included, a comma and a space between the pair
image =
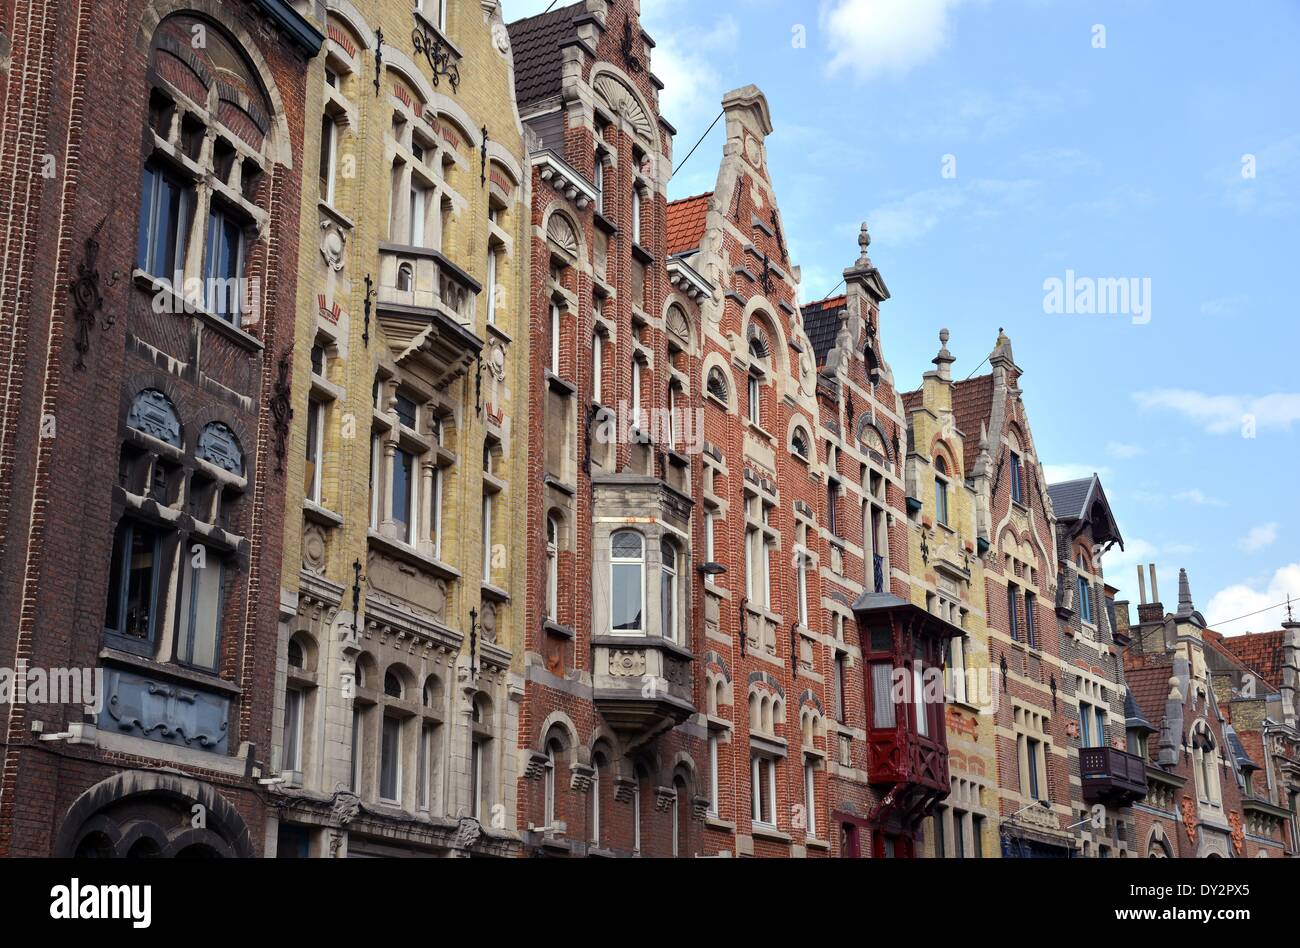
x: 408, y: 389
x: 948, y: 578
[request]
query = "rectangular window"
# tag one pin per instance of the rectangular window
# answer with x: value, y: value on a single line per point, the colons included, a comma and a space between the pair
x: 751, y: 587
x: 476, y: 779
x: 357, y: 720
x: 424, y: 762
x: 419, y: 204
x: 755, y: 401
x: 328, y: 133
x: 165, y: 203
x: 763, y: 790
x: 810, y: 797
x: 918, y: 697
x: 832, y: 496
x: 315, y: 432
x: 1085, y: 599
x: 709, y: 552
x: 1101, y: 727
x: 714, y: 795
x: 403, y: 491
x: 597, y: 367
x: 636, y: 394
x: 940, y: 849
x: 292, y: 730
x: 959, y: 833
x: 487, y: 538
x: 491, y: 286
x: 882, y: 700
x: 200, y: 610
x: 390, y: 760
x: 1017, y: 494
x: 1013, y: 607
x: 1085, y: 725
x: 223, y: 264
x: 801, y: 578
x: 841, y: 705
x: 133, y: 582
x: 437, y: 513
x: 941, y: 500
x: 1031, y: 631
x: 977, y: 835
x: 598, y: 179
x: 957, y: 668
x: 636, y: 215
x: 1032, y: 750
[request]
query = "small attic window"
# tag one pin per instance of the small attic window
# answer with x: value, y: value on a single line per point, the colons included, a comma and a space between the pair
x: 799, y: 443
x: 717, y: 385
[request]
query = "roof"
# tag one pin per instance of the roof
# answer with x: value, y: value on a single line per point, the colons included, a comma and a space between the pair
x: 1261, y: 652
x: 913, y: 400
x: 1238, y: 750
x: 1149, y: 687
x: 686, y: 222
x: 1083, y: 501
x: 536, y: 45
x: 821, y: 321
x: 972, y: 403
x: 1070, y: 497
x: 1134, y: 719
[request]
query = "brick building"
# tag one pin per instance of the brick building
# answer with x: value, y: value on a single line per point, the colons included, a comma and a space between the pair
x: 1217, y: 732
x: 612, y: 749
x: 155, y: 154
x: 397, y: 672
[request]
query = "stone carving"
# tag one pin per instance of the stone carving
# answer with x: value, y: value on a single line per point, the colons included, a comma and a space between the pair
x: 626, y: 663
x: 1189, y: 818
x: 333, y: 243
x: 501, y: 37
x: 438, y: 599
x: 468, y: 832
x: 559, y: 231
x: 218, y: 445
x: 1238, y: 834
x: 313, y: 548
x: 488, y: 623
x: 624, y: 103
x: 153, y: 413
x: 164, y: 712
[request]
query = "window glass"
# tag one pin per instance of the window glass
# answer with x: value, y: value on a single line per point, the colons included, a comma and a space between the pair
x: 627, y: 583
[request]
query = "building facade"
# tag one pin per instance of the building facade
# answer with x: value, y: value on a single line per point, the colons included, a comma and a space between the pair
x: 610, y: 740
x: 162, y: 148
x: 402, y: 599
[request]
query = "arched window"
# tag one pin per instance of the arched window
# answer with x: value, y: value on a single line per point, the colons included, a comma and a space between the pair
x: 679, y: 809
x: 552, y: 568
x: 799, y: 443
x: 392, y: 685
x: 637, y: 837
x: 941, y: 490
x: 478, y: 760
x: 668, y: 589
x: 405, y: 278
x: 294, y: 654
x: 554, y: 751
x: 627, y: 582
x: 598, y: 765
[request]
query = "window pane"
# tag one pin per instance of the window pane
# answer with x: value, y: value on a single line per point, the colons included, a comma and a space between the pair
x: 403, y: 479
x: 292, y: 729
x: 147, y: 186
x: 314, y: 411
x: 626, y: 600
x: 390, y: 758
x: 202, y: 608
x: 131, y: 596
x: 882, y: 700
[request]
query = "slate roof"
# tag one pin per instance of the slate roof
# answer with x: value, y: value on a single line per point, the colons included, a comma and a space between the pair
x: 1068, y: 497
x: 972, y: 403
x: 686, y: 222
x: 1261, y: 652
x: 1133, y: 715
x: 536, y: 45
x: 821, y: 321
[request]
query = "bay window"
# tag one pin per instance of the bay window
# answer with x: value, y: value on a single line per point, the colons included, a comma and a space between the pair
x: 668, y: 589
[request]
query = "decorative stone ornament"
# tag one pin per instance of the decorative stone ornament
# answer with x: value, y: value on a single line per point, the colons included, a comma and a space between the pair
x: 333, y: 243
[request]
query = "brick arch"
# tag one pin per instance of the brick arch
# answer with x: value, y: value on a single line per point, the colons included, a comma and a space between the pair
x: 279, y: 144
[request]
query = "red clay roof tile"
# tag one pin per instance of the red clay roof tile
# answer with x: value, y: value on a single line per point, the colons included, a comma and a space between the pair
x: 686, y: 222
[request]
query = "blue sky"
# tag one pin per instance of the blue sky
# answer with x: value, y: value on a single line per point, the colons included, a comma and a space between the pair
x: 1171, y: 154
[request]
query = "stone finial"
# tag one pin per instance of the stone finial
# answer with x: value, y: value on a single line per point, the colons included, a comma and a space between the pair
x: 1185, y: 607
x: 944, y: 360
x: 864, y: 241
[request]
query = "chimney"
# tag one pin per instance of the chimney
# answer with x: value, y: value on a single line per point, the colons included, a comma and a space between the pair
x: 1142, y: 586
x: 1151, y: 610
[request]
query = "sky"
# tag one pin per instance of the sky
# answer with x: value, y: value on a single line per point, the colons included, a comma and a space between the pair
x: 996, y: 146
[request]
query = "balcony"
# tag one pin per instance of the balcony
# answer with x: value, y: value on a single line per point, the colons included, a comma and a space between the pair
x: 641, y: 684
x: 1112, y: 775
x: 425, y: 305
x: 903, y: 651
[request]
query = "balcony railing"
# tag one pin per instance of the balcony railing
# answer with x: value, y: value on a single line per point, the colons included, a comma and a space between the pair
x: 1108, y: 773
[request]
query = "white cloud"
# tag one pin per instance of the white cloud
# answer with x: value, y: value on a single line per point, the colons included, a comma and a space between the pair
x: 1221, y: 414
x: 871, y: 37
x: 1259, y: 537
x: 1241, y: 599
x: 1118, y: 449
x: 1056, y: 473
x: 1199, y: 498
x: 910, y: 218
x: 1271, y: 189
